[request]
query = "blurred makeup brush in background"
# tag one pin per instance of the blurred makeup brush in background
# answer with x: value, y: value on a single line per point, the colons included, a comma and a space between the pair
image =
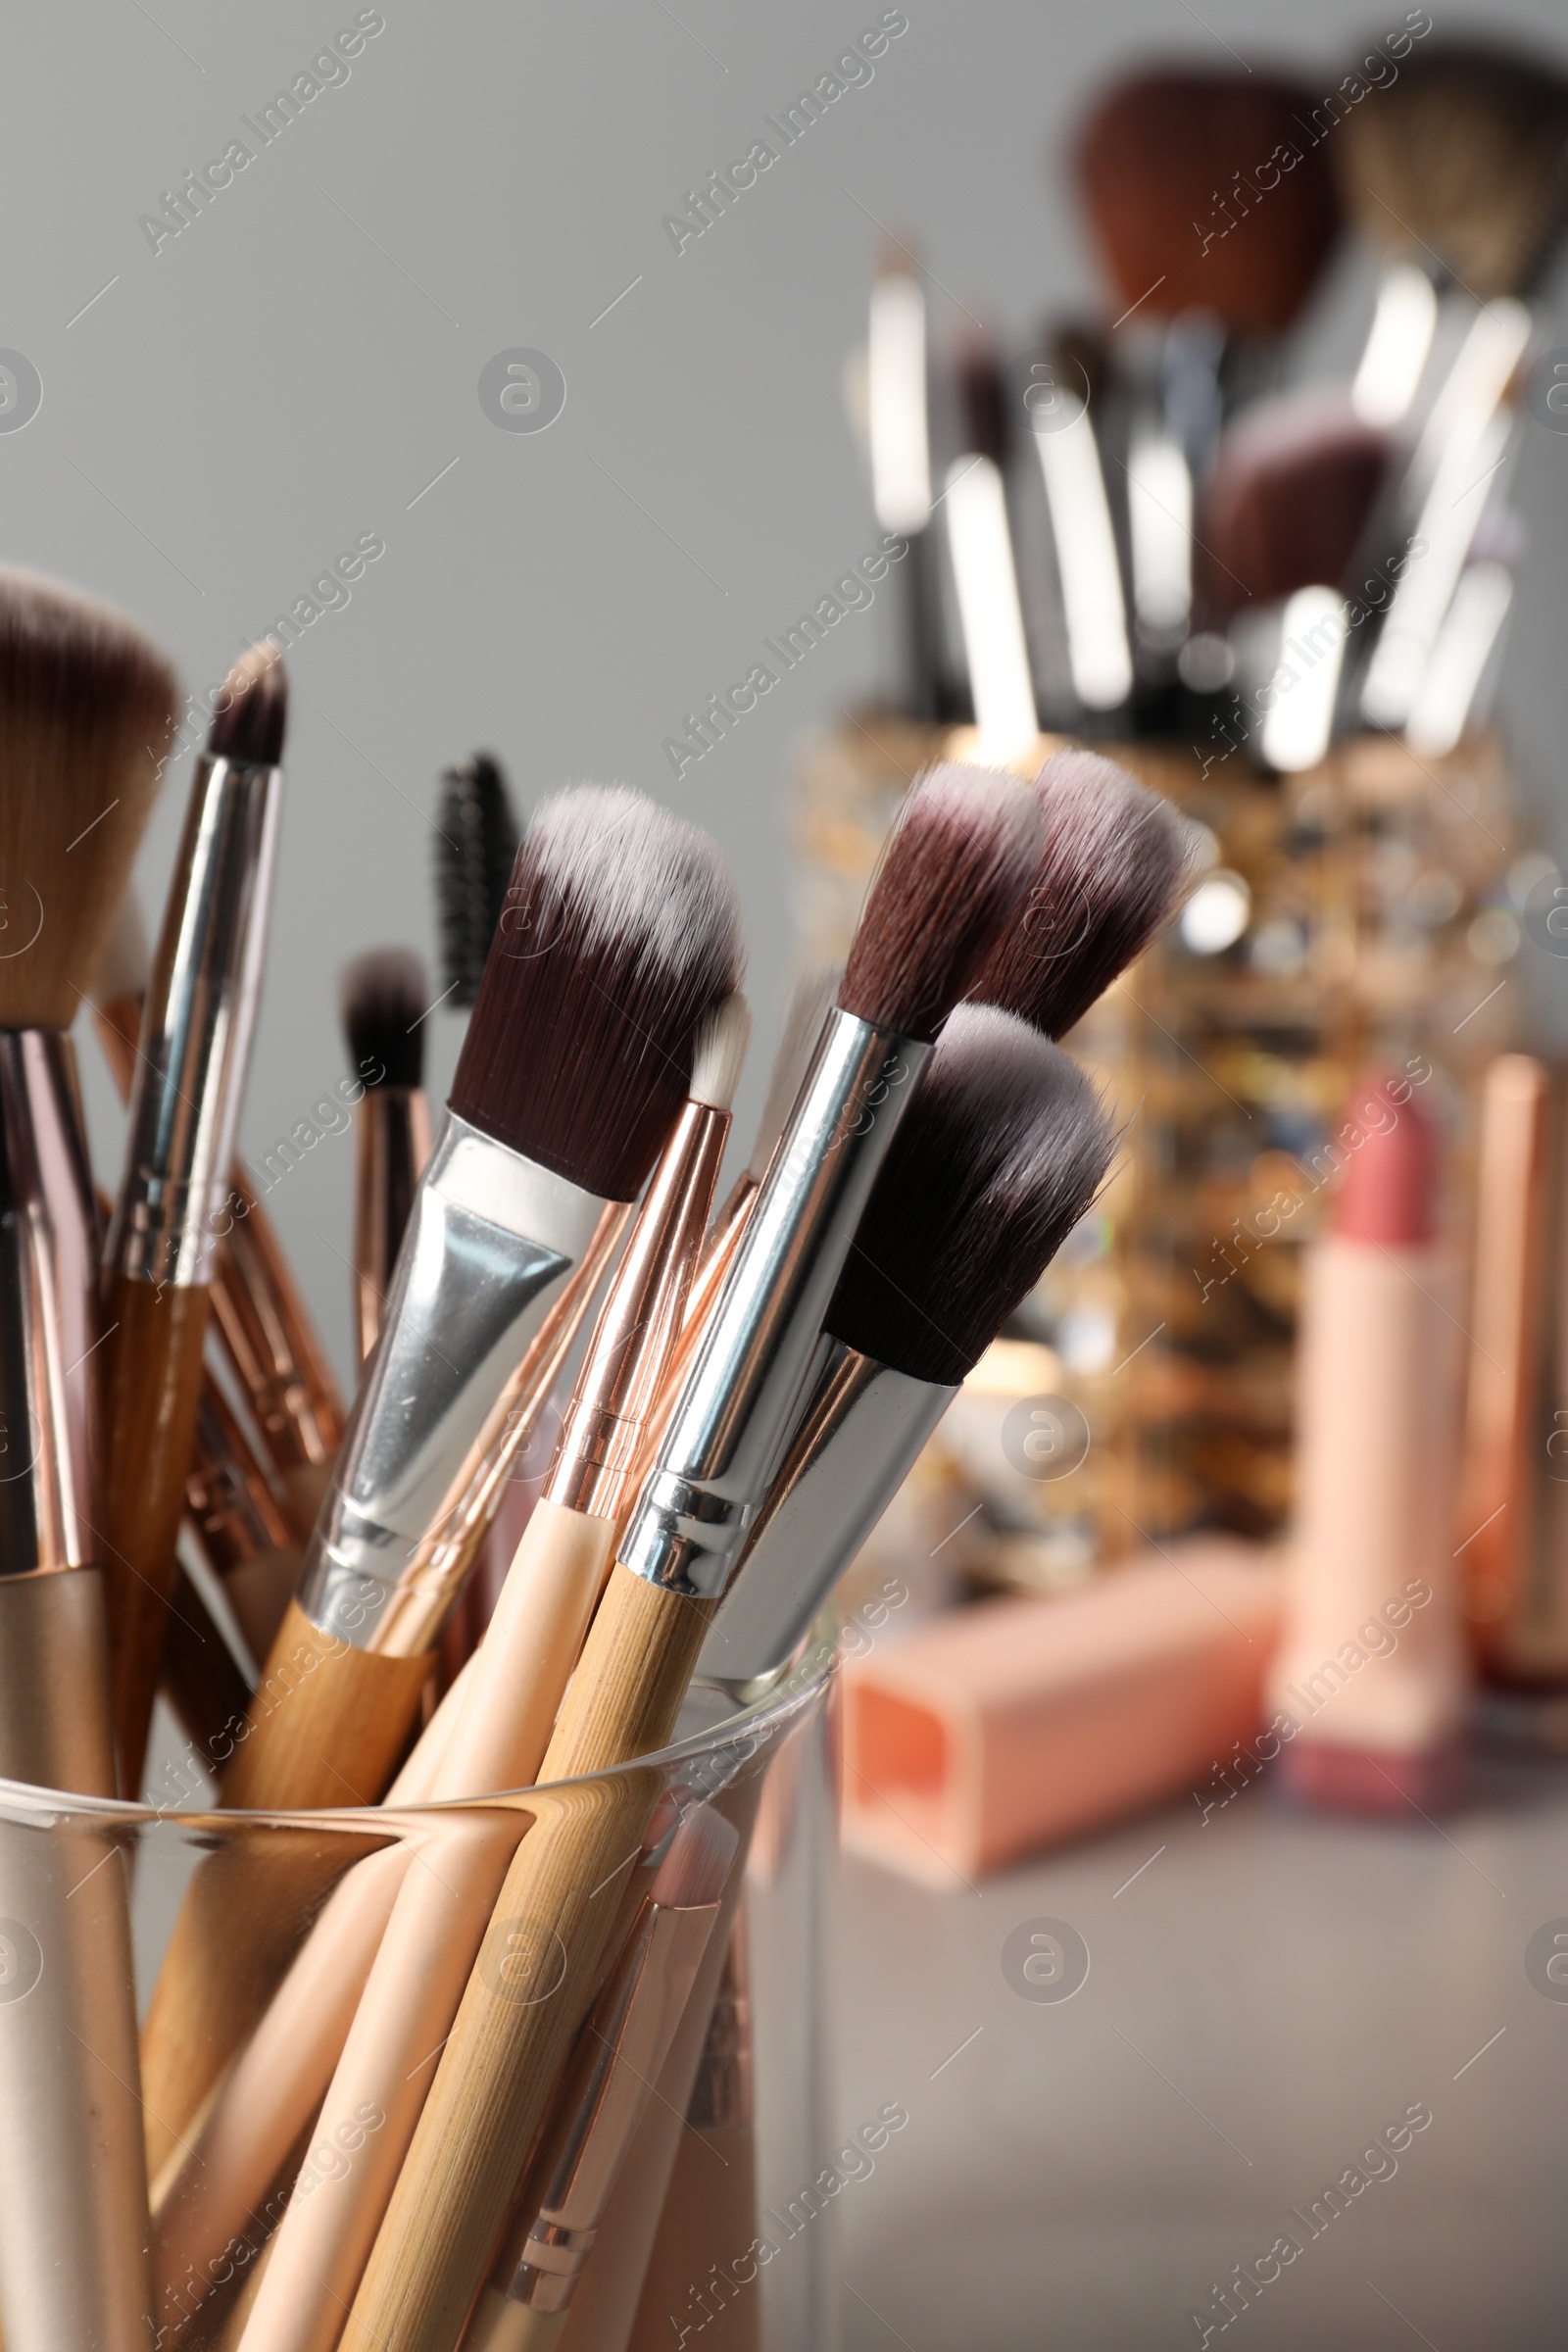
x: 385, y: 1003
x: 258, y: 1314
x: 86, y: 713
x: 950, y: 879
x: 900, y: 439
x: 1063, y: 405
x: 477, y: 845
x: 184, y: 1105
x: 620, y: 933
x: 1214, y: 212
x: 985, y: 576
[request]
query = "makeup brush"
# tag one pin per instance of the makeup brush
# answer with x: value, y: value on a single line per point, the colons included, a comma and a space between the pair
x: 515, y: 1689
x: 1214, y: 212
x: 611, y: 2079
x: 984, y: 572
x: 385, y: 1001
x: 476, y: 843
x: 237, y: 1523
x: 618, y: 937
x: 260, y: 1317
x: 950, y: 879
x: 1113, y: 859
x: 1002, y: 1153
x: 86, y: 713
x: 185, y: 1097
x: 901, y: 465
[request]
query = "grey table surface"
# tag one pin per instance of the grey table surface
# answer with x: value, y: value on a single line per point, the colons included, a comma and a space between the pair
x: 1267, y: 1991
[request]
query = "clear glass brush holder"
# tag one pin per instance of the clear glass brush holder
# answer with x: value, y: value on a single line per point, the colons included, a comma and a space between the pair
x: 93, y: 1893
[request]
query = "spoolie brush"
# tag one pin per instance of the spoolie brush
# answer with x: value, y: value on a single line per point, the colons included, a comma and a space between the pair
x: 1112, y: 867
x: 385, y: 1002
x: 1000, y: 1155
x: 477, y: 841
x: 950, y: 881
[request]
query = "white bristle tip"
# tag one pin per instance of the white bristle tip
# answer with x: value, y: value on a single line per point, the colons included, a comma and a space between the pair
x: 719, y: 1054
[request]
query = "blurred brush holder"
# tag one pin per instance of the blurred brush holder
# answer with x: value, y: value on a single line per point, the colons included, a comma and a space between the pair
x: 90, y: 1890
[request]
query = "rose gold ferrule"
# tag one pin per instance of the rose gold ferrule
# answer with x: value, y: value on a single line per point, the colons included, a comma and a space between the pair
x: 640, y: 1321
x: 718, y: 1255
x: 619, y: 2060
x: 234, y: 1514
x: 270, y: 1341
x: 392, y: 1142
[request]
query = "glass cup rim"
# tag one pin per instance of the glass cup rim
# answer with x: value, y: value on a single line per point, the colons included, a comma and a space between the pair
x: 25, y: 1804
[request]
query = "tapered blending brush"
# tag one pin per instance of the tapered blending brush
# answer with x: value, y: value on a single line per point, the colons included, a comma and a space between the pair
x: 385, y: 1003
x: 476, y: 843
x: 620, y: 2051
x: 951, y: 880
x: 259, y: 1314
x: 618, y: 937
x: 515, y: 1685
x: 1113, y: 859
x: 190, y: 1073
x: 1002, y: 1153
x: 86, y: 715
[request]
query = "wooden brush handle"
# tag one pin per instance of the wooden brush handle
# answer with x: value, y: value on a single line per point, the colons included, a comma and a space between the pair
x: 153, y: 1382
x: 538, y: 1968
x: 326, y: 1727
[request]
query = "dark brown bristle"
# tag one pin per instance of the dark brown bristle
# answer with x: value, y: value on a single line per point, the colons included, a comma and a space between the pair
x: 251, y: 712
x: 984, y: 399
x: 620, y: 934
x: 1164, y: 164
x: 953, y: 877
x: 88, y: 707
x: 1112, y: 867
x: 1288, y: 501
x: 1462, y: 164
x: 1002, y: 1151
x: 385, y: 999
x: 476, y: 844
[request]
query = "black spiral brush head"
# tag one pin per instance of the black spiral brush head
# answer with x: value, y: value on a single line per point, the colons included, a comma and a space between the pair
x: 477, y: 841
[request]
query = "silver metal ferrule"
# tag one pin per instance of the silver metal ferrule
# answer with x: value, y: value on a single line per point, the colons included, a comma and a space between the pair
x: 738, y: 1404
x: 491, y: 1242
x: 48, y: 1307
x: 196, y: 1028
x: 860, y: 1434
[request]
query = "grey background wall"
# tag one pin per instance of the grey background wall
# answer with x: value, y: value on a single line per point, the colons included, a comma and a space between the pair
x: 298, y: 367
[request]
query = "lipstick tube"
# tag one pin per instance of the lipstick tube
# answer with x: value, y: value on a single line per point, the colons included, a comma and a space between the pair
x: 72, y: 2181
x: 741, y: 1395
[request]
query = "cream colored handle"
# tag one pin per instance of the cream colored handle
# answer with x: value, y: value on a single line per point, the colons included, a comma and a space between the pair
x: 442, y: 1909
x: 538, y: 1968
x: 502, y: 2326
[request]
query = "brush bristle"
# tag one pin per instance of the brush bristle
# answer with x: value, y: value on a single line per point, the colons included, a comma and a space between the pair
x: 1462, y: 161
x: 619, y: 935
x: 999, y: 1155
x: 1287, y: 499
x: 476, y: 843
x: 1154, y: 159
x: 88, y: 707
x: 251, y: 713
x: 719, y: 1056
x: 693, y: 1872
x: 126, y: 962
x: 952, y: 880
x: 811, y: 999
x: 1111, y: 867
x: 385, y: 999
